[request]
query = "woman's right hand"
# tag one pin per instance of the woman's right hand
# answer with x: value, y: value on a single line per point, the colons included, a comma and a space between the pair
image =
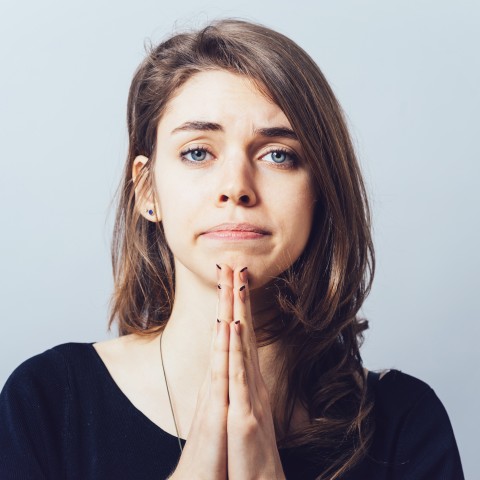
x: 204, y: 456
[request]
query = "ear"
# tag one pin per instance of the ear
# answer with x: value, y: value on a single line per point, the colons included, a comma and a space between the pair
x: 145, y: 201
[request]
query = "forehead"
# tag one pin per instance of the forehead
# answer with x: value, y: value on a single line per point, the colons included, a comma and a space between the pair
x: 223, y: 97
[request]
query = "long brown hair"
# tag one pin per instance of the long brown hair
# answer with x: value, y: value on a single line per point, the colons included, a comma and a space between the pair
x: 321, y: 293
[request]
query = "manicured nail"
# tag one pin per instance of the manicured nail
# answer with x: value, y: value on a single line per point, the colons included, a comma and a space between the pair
x: 243, y: 274
x: 218, y: 266
x: 237, y: 326
x: 218, y: 321
x: 242, y: 293
x: 219, y: 286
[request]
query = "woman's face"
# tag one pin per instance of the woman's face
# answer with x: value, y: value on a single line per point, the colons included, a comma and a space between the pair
x: 227, y: 156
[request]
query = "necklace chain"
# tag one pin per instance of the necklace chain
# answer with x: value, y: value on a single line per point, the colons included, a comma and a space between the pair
x: 168, y: 392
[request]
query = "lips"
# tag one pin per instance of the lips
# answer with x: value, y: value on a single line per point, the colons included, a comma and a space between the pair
x: 238, y: 227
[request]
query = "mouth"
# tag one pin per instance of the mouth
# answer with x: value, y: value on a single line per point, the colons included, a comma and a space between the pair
x: 236, y: 231
x: 238, y: 227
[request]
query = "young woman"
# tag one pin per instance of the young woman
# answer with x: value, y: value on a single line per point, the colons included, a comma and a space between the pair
x: 242, y: 254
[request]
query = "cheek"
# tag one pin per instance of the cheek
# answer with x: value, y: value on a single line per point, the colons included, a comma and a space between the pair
x: 176, y: 198
x: 295, y: 225
x: 172, y: 209
x: 297, y: 207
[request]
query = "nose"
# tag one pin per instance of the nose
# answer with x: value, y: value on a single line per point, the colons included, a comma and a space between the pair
x: 237, y: 184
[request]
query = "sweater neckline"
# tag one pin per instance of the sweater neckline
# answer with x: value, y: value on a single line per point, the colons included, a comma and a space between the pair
x: 118, y: 392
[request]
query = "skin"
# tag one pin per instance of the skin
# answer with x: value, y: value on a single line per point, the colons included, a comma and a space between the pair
x: 220, y: 383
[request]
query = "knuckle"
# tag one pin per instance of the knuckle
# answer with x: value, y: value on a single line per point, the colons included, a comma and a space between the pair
x: 245, y: 425
x: 219, y: 376
x: 250, y: 427
x: 219, y: 347
x: 240, y: 377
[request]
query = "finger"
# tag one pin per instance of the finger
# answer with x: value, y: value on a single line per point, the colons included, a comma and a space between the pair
x: 214, y: 324
x: 242, y: 312
x: 220, y: 310
x: 219, y: 366
x: 218, y: 370
x: 238, y: 384
x: 225, y: 294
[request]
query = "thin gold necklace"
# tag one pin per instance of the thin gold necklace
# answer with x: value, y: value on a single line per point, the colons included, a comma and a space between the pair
x: 169, y: 399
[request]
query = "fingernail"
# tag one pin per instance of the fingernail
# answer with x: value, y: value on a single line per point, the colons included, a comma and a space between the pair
x: 218, y: 320
x: 219, y: 323
x: 237, y: 326
x: 242, y: 293
x: 219, y: 287
x: 243, y: 274
x: 218, y: 266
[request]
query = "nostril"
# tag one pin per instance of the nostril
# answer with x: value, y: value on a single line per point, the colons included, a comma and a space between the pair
x: 245, y: 199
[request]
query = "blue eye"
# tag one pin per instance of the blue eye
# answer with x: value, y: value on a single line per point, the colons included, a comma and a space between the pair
x: 196, y: 155
x: 278, y: 157
x: 282, y: 157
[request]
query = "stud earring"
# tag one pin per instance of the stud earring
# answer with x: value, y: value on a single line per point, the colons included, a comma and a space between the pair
x: 149, y: 211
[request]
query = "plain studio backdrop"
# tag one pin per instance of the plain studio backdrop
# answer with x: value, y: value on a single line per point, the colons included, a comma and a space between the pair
x: 407, y: 74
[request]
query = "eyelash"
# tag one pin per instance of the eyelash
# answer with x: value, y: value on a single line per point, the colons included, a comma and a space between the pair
x: 286, y: 165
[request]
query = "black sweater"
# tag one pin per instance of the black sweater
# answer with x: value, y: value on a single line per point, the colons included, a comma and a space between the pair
x: 63, y: 416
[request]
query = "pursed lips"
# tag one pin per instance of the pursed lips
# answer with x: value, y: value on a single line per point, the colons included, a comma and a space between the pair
x: 236, y: 231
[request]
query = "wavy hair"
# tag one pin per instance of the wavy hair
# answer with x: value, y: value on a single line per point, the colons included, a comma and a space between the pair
x: 321, y: 293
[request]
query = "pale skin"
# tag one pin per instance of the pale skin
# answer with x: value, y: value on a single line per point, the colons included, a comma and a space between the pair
x: 220, y: 384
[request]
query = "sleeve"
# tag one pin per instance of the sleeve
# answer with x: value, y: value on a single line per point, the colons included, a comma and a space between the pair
x: 427, y: 448
x: 33, y: 419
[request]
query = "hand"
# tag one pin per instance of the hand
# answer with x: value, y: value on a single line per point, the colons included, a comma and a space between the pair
x: 252, y: 448
x: 233, y: 415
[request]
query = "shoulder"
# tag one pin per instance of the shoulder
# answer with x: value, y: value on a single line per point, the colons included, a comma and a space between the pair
x: 399, y: 396
x: 60, y: 359
x: 54, y: 357
x: 412, y: 426
x: 394, y: 390
x: 47, y: 371
x: 73, y: 364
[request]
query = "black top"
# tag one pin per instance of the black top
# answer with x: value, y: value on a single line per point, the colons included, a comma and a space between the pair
x: 63, y: 416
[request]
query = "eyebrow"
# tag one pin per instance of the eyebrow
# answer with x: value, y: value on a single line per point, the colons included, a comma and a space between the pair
x: 270, y: 132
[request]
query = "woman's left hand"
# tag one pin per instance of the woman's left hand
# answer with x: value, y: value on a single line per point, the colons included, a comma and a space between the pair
x: 252, y: 448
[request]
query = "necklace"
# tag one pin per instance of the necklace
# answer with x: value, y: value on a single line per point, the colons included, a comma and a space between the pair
x: 168, y: 392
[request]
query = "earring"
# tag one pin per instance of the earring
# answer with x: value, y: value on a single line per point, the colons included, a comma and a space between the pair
x: 149, y: 211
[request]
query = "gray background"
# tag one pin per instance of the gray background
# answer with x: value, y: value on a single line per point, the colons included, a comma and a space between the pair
x: 407, y: 74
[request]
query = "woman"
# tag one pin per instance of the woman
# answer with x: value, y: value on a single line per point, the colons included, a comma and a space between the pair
x: 242, y: 254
